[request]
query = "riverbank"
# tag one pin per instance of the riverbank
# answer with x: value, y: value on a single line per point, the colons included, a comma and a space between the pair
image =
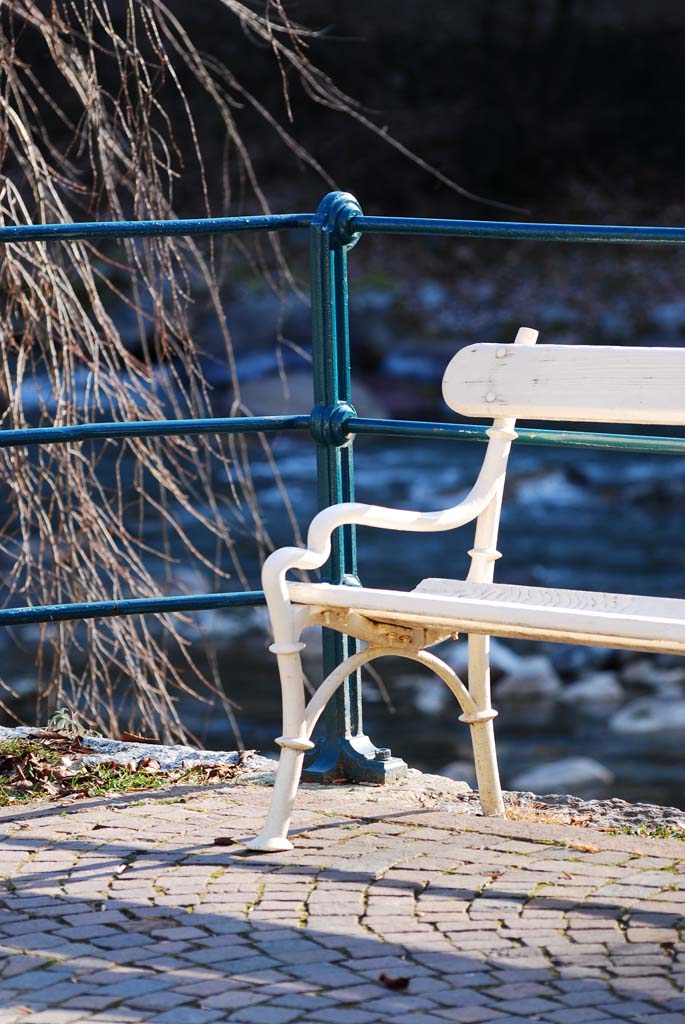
x: 437, y: 792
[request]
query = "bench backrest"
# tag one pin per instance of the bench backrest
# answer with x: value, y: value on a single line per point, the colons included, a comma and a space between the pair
x: 584, y: 383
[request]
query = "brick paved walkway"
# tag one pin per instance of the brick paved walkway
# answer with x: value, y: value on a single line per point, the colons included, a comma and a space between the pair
x: 124, y: 911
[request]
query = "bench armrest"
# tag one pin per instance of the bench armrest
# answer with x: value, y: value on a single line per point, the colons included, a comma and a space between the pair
x: 324, y: 524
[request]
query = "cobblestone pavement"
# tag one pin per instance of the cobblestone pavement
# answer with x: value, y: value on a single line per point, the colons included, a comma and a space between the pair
x: 124, y: 911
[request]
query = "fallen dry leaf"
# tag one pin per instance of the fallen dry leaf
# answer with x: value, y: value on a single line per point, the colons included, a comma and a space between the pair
x: 398, y: 984
x: 224, y: 841
x: 35, y: 770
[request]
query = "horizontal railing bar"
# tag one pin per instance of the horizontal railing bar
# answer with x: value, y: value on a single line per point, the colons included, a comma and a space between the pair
x: 384, y: 225
x: 153, y: 228
x: 151, y: 428
x: 517, y: 229
x: 352, y: 425
x: 526, y: 435
x: 132, y: 606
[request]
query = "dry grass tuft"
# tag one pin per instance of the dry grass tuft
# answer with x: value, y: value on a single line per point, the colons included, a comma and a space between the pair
x: 542, y: 813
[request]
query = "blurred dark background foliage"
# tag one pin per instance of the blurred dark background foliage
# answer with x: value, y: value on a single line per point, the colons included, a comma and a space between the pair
x: 531, y: 103
x: 539, y: 104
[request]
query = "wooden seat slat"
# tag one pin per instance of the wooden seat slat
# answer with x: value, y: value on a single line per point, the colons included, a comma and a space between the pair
x: 500, y: 609
x: 549, y: 597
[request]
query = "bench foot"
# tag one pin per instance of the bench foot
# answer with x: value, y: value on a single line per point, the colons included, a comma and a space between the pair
x: 265, y: 845
x: 274, y: 836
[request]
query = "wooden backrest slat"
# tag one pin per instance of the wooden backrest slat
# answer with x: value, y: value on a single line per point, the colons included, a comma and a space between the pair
x: 583, y: 383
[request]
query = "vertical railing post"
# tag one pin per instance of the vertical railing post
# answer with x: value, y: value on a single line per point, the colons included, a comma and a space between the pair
x: 343, y: 751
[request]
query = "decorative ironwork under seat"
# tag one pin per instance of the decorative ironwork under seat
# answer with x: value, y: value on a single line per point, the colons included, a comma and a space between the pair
x: 548, y: 382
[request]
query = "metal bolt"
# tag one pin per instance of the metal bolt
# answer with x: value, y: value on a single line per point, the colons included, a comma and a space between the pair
x: 490, y: 397
x: 382, y: 754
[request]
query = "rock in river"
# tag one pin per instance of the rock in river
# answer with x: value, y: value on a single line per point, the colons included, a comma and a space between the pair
x: 579, y: 775
x: 595, y: 689
x: 532, y: 679
x: 649, y: 715
x: 462, y: 771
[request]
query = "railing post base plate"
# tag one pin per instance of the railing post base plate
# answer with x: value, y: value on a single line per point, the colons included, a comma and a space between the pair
x: 353, y: 759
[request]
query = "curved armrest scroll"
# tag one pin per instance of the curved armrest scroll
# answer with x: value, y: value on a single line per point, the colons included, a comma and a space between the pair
x: 329, y: 519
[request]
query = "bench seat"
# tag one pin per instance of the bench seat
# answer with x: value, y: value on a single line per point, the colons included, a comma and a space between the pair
x: 507, y: 610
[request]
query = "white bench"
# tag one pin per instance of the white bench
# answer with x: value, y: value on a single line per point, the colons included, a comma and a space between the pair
x: 545, y: 382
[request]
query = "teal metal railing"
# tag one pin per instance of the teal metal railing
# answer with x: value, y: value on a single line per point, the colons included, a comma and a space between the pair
x: 332, y: 423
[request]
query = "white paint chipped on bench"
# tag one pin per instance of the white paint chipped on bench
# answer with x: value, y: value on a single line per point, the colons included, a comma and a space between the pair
x: 581, y: 383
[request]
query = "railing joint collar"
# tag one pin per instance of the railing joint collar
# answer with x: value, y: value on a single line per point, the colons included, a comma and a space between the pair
x: 336, y: 212
x: 327, y: 424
